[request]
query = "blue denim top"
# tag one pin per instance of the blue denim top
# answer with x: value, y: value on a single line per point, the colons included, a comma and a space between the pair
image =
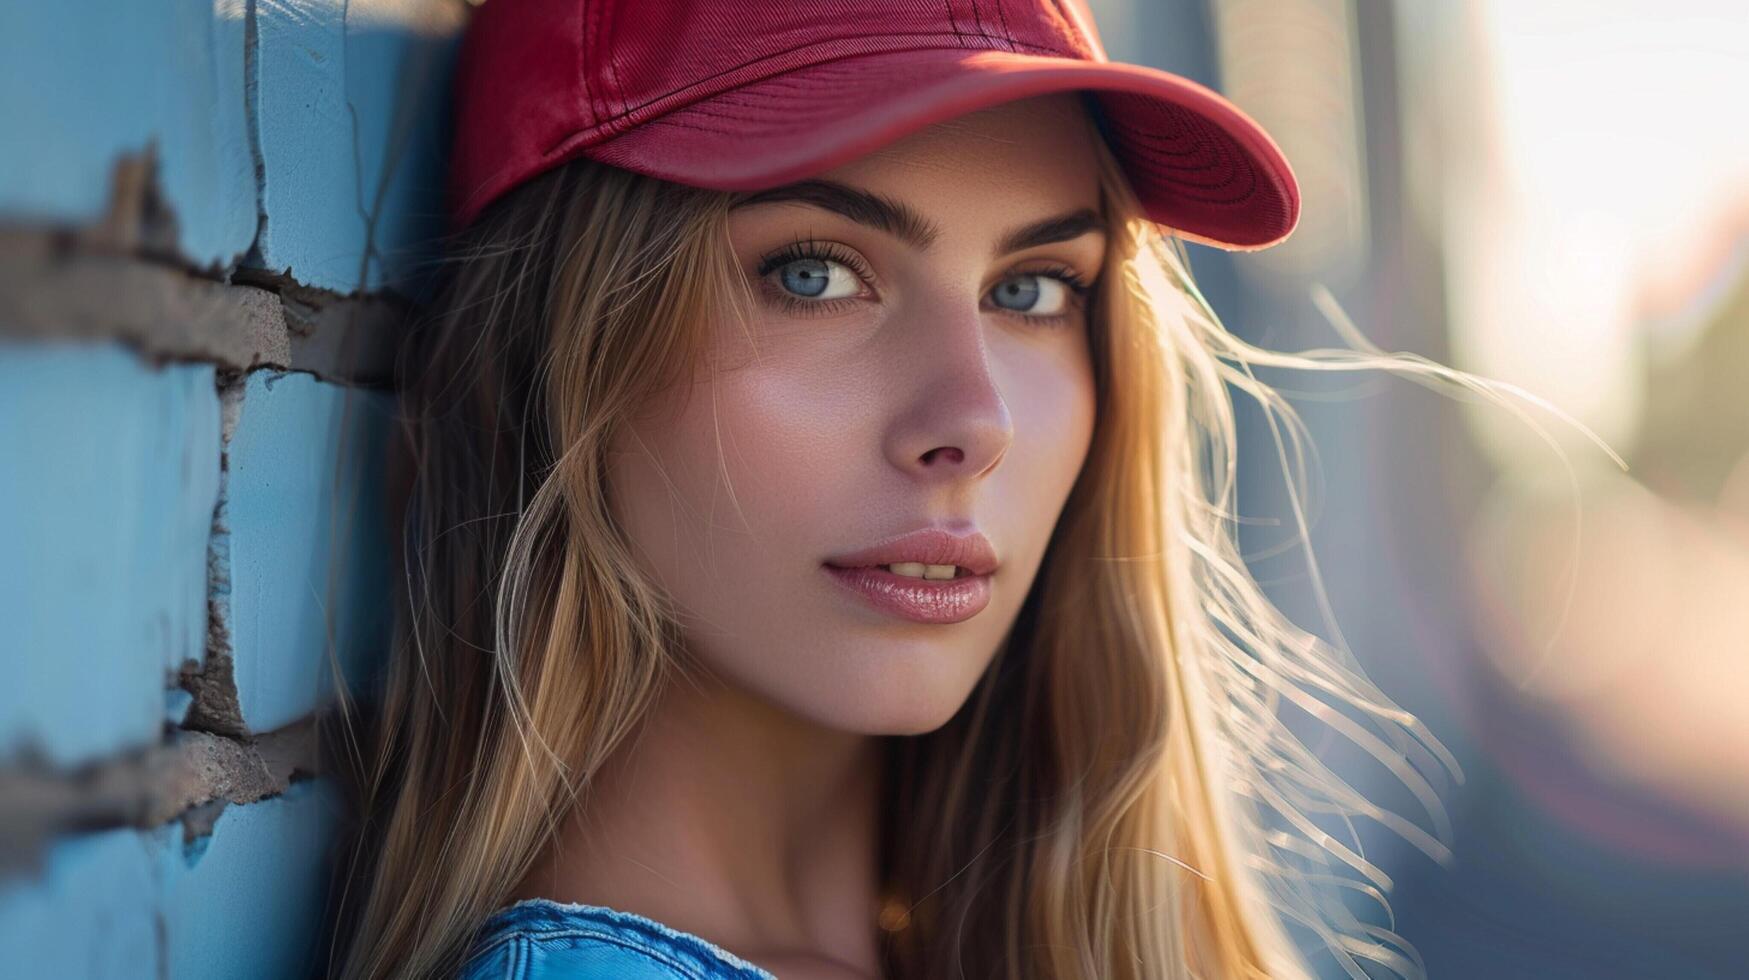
x: 539, y: 939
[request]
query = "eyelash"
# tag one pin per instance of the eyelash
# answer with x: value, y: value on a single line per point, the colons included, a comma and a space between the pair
x: 1077, y: 284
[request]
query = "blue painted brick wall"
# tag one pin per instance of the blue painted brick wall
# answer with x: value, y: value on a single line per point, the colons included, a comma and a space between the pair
x: 174, y: 522
x: 110, y: 475
x: 307, y: 550
x: 82, y: 81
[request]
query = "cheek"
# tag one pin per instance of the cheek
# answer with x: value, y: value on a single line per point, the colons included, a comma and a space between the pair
x: 743, y: 499
x: 1053, y: 401
x: 787, y: 437
x: 723, y: 497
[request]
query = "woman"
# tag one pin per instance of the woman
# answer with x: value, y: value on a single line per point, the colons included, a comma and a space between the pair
x: 818, y: 532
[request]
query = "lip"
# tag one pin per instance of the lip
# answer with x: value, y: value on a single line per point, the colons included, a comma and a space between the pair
x: 937, y: 601
x: 931, y: 546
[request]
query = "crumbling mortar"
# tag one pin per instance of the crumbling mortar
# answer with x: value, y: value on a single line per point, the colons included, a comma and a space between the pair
x: 356, y: 332
x: 61, y: 283
x: 190, y: 776
x: 138, y: 220
x: 212, y: 681
x: 171, y: 315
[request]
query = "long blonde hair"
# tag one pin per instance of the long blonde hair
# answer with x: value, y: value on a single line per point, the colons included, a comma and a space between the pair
x: 1118, y: 798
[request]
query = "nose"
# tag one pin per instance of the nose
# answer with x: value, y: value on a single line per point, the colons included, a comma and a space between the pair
x: 951, y: 421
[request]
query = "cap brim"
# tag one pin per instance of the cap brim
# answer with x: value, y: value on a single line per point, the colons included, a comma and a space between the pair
x: 1199, y: 164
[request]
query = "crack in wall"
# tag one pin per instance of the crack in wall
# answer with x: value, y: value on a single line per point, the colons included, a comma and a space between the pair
x: 120, y: 280
x: 62, y: 283
x: 252, y: 127
x: 212, y: 682
x: 190, y: 776
x: 53, y: 288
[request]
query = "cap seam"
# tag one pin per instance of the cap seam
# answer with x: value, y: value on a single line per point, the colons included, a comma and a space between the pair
x: 612, y: 59
x: 953, y: 21
x: 487, y: 189
x: 592, y: 37
x: 1071, y: 24
x: 787, y: 68
x: 1007, y: 32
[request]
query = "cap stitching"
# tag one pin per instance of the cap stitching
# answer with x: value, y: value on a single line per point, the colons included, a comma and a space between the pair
x: 1165, y: 161
x: 489, y: 187
x: 1191, y: 132
x: 953, y: 22
x: 597, y: 108
x: 1174, y: 148
x: 612, y: 59
x: 1007, y: 32
x: 1202, y: 192
x: 607, y: 123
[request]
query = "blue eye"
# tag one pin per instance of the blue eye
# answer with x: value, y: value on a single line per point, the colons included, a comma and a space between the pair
x: 807, y: 277
x: 1022, y: 292
x: 814, y: 277
x: 814, y: 274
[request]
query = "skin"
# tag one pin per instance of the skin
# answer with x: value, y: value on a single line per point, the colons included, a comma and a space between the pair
x: 745, y: 811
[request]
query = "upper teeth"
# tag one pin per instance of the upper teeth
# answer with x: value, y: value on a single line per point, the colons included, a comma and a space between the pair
x: 916, y: 569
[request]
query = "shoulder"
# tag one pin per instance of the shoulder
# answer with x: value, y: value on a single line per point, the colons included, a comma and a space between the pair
x: 544, y: 940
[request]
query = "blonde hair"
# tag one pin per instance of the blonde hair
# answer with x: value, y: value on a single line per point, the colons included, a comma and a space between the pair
x: 1118, y: 798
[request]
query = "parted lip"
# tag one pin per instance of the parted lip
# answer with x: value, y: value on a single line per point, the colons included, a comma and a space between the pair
x: 931, y: 546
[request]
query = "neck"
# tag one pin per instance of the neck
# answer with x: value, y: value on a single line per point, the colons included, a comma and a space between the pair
x: 733, y: 819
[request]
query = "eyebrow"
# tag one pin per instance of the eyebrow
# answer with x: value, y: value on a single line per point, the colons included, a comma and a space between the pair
x: 902, y: 221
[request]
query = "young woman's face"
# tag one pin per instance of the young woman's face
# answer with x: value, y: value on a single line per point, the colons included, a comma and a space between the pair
x: 918, y: 358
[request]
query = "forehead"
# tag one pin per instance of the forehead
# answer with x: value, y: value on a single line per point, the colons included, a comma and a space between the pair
x: 1039, y: 148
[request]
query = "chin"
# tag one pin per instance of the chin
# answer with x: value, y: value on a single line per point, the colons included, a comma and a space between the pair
x: 890, y: 706
x: 892, y: 719
x: 864, y: 682
x: 912, y: 719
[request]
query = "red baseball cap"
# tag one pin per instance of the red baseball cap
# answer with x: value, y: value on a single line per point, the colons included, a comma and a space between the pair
x: 744, y: 95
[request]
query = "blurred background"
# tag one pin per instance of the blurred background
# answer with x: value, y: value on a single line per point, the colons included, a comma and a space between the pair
x: 1552, y: 194
x: 212, y: 213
